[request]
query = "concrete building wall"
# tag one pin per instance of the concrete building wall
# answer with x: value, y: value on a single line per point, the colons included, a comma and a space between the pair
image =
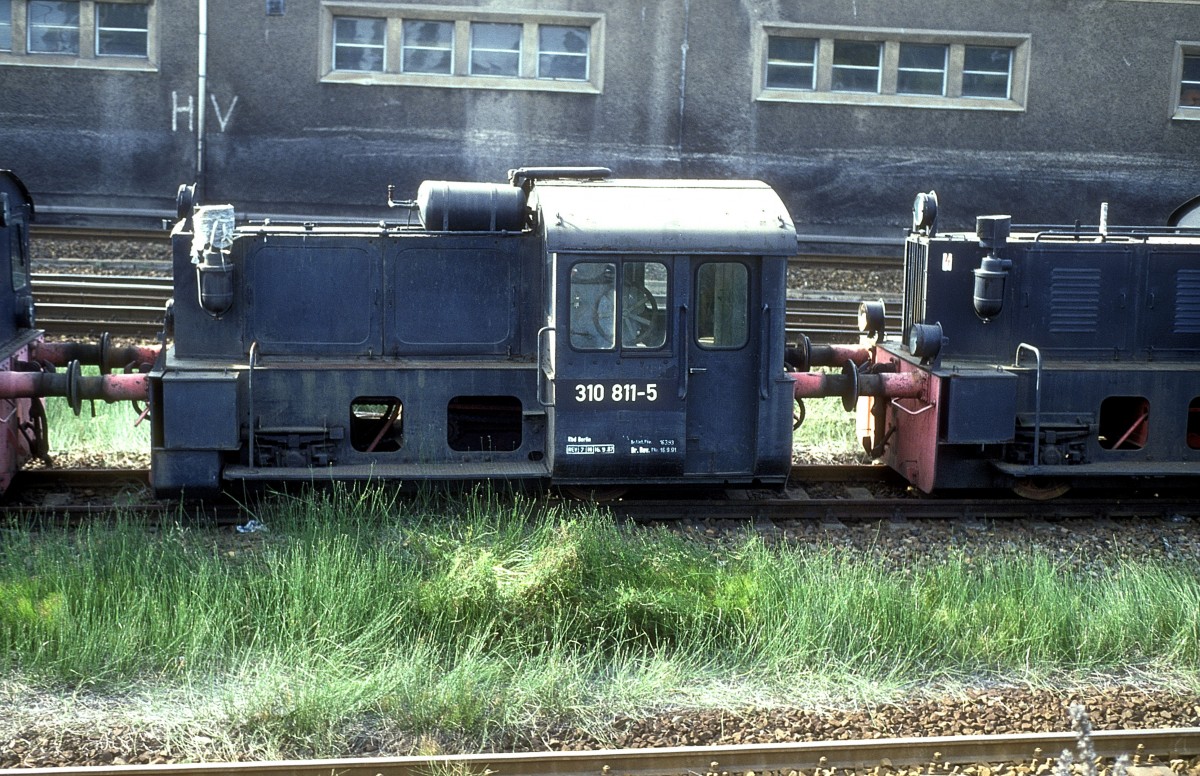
x: 677, y: 89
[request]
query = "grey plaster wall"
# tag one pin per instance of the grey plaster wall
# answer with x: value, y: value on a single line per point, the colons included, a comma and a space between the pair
x: 677, y: 100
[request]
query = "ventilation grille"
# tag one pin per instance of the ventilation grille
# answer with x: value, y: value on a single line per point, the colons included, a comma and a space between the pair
x: 1187, y: 301
x: 916, y: 263
x: 1074, y: 301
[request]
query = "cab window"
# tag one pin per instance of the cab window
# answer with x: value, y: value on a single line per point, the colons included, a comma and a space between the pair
x: 618, y: 304
x: 722, y: 305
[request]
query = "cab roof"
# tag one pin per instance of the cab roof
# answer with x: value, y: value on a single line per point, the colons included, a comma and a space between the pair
x: 679, y: 216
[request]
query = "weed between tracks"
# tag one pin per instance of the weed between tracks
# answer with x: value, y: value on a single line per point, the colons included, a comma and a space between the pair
x: 472, y: 619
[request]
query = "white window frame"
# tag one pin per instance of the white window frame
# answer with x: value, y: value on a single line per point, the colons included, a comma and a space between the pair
x: 335, y: 44
x: 887, y: 96
x: 520, y: 52
x: 877, y: 68
x: 144, y: 31
x: 587, y: 59
x: 942, y: 72
x: 810, y: 65
x: 460, y: 76
x: 76, y: 28
x: 1007, y: 73
x: 405, y: 48
x: 8, y: 23
x: 87, y: 58
x: 1179, y: 109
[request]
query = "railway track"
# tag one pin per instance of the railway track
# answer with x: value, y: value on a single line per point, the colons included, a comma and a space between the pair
x: 828, y: 495
x: 132, y: 306
x: 1154, y: 749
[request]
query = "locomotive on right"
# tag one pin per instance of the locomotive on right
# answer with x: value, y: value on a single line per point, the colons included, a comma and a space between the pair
x: 1047, y: 357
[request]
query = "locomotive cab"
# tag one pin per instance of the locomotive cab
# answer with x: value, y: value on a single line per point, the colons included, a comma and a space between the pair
x: 663, y: 339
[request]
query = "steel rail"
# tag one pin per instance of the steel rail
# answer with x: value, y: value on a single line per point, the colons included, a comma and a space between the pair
x: 940, y: 752
x: 66, y: 231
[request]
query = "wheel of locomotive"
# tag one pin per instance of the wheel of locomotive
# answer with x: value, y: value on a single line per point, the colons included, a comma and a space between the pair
x: 637, y: 317
x: 798, y: 414
x: 1040, y: 488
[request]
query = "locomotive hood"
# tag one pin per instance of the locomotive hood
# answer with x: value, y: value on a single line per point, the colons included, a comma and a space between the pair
x: 686, y: 216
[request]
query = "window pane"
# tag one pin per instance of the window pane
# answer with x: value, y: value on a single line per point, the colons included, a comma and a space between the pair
x: 5, y: 25
x: 722, y: 302
x: 358, y: 44
x: 428, y: 47
x: 348, y: 31
x: 791, y: 62
x: 1189, y: 88
x: 593, y: 305
x: 986, y: 72
x: 922, y: 69
x: 643, y: 304
x: 856, y: 66
x: 553, y: 39
x: 121, y: 29
x: 53, y: 27
x: 20, y: 262
x: 1191, y: 69
x: 856, y: 53
x: 495, y: 49
x: 986, y: 59
x: 563, y: 52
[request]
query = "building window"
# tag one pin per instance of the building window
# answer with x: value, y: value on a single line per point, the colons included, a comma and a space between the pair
x: 856, y: 66
x: 110, y: 35
x: 53, y: 27
x: 5, y: 25
x: 359, y: 44
x: 563, y: 52
x: 1188, y: 104
x: 428, y: 47
x: 922, y: 69
x: 468, y: 48
x: 121, y: 30
x: 987, y: 72
x: 900, y: 68
x: 495, y: 49
x: 791, y: 63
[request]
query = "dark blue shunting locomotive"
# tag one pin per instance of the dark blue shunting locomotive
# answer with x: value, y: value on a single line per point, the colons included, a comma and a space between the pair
x: 568, y: 328
x: 1049, y: 357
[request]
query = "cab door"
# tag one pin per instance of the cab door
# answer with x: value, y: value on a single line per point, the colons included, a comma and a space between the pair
x: 617, y: 411
x: 722, y: 371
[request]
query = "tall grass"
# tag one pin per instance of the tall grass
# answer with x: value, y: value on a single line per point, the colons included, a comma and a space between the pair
x: 480, y: 614
x: 100, y: 428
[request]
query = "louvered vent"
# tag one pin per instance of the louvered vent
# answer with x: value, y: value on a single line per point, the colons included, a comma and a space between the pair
x: 1074, y: 301
x: 1187, y: 301
x: 916, y: 262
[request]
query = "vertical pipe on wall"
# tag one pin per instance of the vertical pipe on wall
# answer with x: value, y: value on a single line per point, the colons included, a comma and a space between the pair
x: 201, y: 92
x: 683, y: 51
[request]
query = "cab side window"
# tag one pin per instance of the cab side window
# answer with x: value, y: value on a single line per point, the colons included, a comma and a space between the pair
x: 722, y: 305
x: 606, y: 313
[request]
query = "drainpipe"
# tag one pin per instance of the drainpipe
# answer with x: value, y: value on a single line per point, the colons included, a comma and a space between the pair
x: 201, y: 93
x: 683, y: 52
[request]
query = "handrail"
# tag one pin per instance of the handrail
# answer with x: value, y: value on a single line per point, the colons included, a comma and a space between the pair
x: 1037, y: 398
